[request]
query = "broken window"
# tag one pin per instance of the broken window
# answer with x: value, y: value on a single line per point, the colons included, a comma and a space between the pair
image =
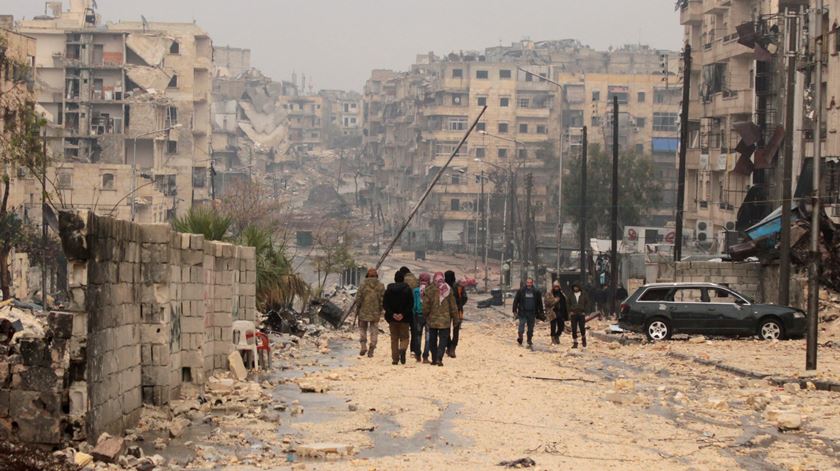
x: 171, y: 147
x: 504, y: 102
x: 523, y: 102
x: 481, y: 101
x: 107, y: 181
x: 175, y: 48
x: 640, y: 122
x: 479, y: 152
x: 504, y: 74
x: 173, y: 82
x: 456, y: 178
x: 457, y: 73
x: 501, y: 152
x: 171, y: 115
x: 596, y: 95
x: 714, y: 79
x: 523, y: 128
x: 522, y: 153
x: 529, y: 77
x: 481, y: 126
x: 481, y: 74
x: 455, y: 204
x: 503, y: 128
x: 199, y: 177
x: 64, y: 179
x: 542, y: 129
x: 596, y: 121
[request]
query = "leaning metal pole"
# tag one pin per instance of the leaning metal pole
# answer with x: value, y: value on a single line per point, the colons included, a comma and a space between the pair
x: 814, y: 266
x: 417, y: 206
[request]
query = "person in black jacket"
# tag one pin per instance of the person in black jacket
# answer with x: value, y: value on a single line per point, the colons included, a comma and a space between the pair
x: 560, y: 310
x: 527, y: 306
x: 460, y: 299
x: 398, y: 302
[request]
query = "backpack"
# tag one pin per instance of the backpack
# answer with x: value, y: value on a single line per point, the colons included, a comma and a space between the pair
x: 418, y: 303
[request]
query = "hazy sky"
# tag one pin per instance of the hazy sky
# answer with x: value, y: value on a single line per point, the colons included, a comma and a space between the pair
x: 338, y: 42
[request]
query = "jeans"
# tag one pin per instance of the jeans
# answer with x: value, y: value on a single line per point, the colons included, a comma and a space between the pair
x: 529, y: 318
x: 557, y: 326
x: 579, y: 321
x: 416, y: 337
x: 368, y: 328
x: 399, y: 338
x: 453, y: 339
x: 438, y: 338
x: 426, y: 343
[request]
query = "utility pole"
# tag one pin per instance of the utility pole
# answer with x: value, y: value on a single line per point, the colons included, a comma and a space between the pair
x: 814, y: 266
x: 212, y: 184
x: 614, y: 212
x: 483, y: 233
x: 678, y: 239
x: 44, y: 260
x: 787, y: 162
x: 560, y: 201
x: 528, y: 259
x: 582, y: 228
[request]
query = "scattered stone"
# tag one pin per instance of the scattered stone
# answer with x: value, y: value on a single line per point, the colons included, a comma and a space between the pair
x: 160, y: 443
x: 333, y: 377
x: 353, y: 407
x: 312, y: 387
x: 623, y: 384
x: 82, y: 459
x: 792, y: 388
x: 178, y: 426
x: 237, y: 367
x: 108, y: 449
x: 520, y: 463
x: 324, y: 450
x: 784, y: 419
x: 718, y: 403
x: 619, y: 398
x: 698, y: 339
x: 810, y: 386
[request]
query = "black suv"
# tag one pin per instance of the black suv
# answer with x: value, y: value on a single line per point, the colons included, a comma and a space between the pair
x: 662, y: 309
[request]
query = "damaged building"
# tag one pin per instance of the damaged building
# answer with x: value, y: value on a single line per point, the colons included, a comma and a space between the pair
x: 119, y: 93
x: 415, y: 119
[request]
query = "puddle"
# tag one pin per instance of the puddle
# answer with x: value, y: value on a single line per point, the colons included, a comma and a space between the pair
x: 439, y: 431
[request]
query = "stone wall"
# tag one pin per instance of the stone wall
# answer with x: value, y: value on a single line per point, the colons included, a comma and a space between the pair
x: 758, y: 281
x: 150, y: 309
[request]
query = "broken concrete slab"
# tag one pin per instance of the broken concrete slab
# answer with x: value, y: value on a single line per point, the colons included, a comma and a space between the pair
x: 82, y: 459
x: 237, y: 366
x: 178, y: 427
x: 108, y: 449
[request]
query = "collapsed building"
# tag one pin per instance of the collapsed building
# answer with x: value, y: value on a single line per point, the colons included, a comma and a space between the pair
x: 116, y: 96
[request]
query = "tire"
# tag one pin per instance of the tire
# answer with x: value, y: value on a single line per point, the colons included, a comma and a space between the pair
x: 658, y: 329
x: 771, y: 329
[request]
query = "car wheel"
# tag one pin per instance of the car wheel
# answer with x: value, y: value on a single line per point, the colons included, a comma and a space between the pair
x: 771, y: 329
x: 658, y: 329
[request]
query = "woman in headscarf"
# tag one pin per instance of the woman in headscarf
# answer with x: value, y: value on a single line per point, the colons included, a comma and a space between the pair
x: 439, y: 307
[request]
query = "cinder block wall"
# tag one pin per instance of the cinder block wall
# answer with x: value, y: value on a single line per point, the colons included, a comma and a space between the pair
x: 158, y: 309
x: 758, y: 281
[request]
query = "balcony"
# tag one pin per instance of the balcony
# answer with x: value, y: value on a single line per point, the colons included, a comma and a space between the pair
x: 446, y: 110
x: 727, y: 47
x: 691, y: 12
x: 533, y: 112
x: 715, y: 7
x: 728, y: 102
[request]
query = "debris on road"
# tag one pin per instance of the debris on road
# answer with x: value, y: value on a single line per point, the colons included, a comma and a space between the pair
x: 520, y: 463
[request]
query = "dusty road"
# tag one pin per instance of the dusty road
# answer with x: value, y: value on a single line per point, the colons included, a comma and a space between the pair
x: 612, y: 407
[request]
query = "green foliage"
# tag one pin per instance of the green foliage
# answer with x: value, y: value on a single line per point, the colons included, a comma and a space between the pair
x: 205, y: 221
x: 277, y: 284
x: 11, y: 230
x: 639, y: 192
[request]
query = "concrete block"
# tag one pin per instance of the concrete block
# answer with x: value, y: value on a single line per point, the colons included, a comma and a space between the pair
x: 60, y: 324
x: 196, y: 242
x: 237, y: 366
x: 156, y: 233
x: 109, y: 449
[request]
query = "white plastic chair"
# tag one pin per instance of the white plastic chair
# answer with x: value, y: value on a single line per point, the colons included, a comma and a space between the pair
x: 244, y: 339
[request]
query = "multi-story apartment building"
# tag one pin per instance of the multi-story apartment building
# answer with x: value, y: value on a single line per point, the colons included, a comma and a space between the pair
x: 342, y: 117
x: 122, y: 94
x: 415, y: 119
x: 736, y: 115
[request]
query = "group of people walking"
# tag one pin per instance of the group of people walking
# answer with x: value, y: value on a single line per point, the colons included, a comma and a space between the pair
x: 424, y: 315
x: 529, y: 304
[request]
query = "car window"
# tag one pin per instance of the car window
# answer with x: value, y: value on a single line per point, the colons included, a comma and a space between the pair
x: 656, y: 294
x: 688, y: 295
x: 721, y: 296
